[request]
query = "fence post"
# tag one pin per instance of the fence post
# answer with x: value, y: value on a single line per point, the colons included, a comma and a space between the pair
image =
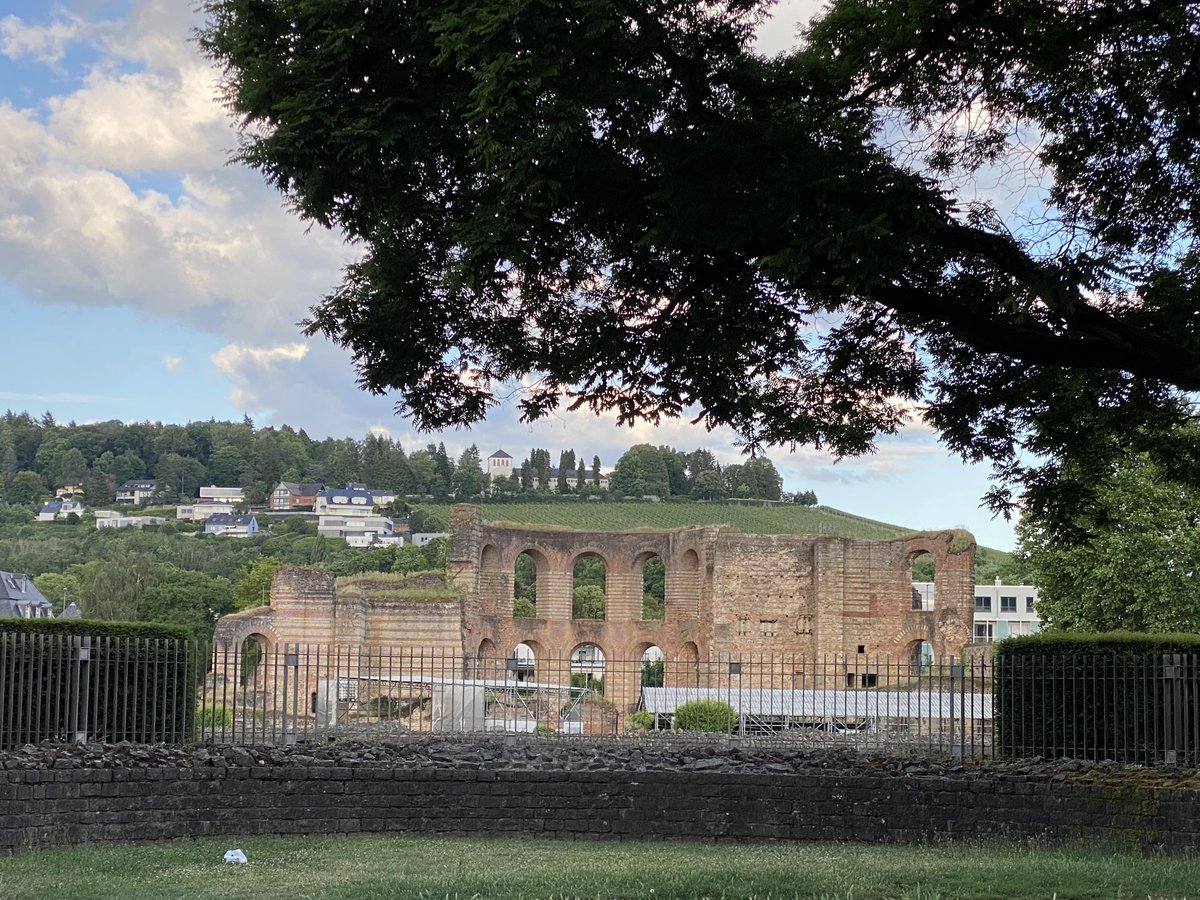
x: 1172, y: 675
x: 81, y: 655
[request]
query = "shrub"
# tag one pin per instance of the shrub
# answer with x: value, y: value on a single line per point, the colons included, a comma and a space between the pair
x: 705, y: 715
x: 214, y: 715
x: 523, y: 609
x: 1115, y: 695
x: 383, y: 707
x: 642, y: 720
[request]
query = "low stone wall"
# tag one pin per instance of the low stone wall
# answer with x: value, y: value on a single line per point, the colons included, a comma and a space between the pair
x: 554, y: 789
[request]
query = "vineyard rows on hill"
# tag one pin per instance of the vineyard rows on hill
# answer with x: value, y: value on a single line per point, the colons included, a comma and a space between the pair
x: 748, y: 518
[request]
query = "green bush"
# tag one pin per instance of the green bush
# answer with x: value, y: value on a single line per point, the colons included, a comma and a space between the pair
x: 705, y: 715
x: 214, y: 715
x: 524, y: 609
x: 1114, y: 695
x: 383, y: 707
x: 642, y: 720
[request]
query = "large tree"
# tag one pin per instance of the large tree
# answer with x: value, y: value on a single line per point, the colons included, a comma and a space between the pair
x: 627, y: 201
x: 1127, y: 559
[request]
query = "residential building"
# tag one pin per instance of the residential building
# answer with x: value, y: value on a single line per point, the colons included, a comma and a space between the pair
x: 137, y: 491
x: 231, y: 525
x: 500, y: 465
x: 381, y: 496
x: 1001, y: 610
x: 20, y: 598
x: 1005, y: 610
x: 59, y: 509
x: 295, y: 495
x: 201, y: 512
x: 421, y: 538
x: 351, y: 513
x: 216, y: 494
x: 68, y: 490
x: 119, y: 521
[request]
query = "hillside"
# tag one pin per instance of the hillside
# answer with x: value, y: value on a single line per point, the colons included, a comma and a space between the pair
x: 750, y: 518
x: 775, y: 518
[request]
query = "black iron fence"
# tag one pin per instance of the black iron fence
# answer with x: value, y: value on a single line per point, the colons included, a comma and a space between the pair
x: 297, y: 693
x: 1136, y: 708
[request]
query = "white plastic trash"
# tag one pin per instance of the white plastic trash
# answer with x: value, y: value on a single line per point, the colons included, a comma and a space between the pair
x: 236, y: 856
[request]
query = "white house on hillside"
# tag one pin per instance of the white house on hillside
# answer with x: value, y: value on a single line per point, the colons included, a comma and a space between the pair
x: 231, y: 526
x: 137, y: 490
x: 350, y: 513
x: 217, y: 494
x: 500, y: 465
x: 59, y: 509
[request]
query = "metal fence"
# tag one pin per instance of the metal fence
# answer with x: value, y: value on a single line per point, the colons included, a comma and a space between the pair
x: 297, y: 693
x: 1142, y: 709
x: 67, y: 688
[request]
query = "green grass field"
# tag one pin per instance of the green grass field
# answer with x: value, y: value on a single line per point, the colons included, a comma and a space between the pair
x: 773, y: 519
x: 386, y: 867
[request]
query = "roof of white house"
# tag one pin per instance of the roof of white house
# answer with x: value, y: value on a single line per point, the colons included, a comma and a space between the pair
x: 500, y: 454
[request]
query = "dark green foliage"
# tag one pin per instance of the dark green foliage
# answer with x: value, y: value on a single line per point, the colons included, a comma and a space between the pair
x: 523, y: 609
x: 654, y: 589
x: 525, y: 583
x: 641, y: 720
x: 588, y: 681
x: 137, y: 683
x: 652, y: 672
x: 705, y: 715
x: 1115, y: 696
x: 630, y: 201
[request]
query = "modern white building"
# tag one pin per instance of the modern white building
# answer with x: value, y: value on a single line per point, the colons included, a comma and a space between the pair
x: 137, y: 491
x: 421, y: 538
x: 217, y: 494
x: 1001, y: 610
x: 118, y: 521
x: 201, y: 512
x: 351, y: 513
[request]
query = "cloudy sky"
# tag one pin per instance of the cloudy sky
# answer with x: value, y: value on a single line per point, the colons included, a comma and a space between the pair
x: 142, y: 278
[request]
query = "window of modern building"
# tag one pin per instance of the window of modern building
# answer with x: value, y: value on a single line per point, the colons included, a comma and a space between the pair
x: 1008, y: 604
x: 983, y: 604
x: 983, y: 632
x: 1029, y: 604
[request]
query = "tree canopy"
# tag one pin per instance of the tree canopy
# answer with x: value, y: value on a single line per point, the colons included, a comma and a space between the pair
x: 629, y: 203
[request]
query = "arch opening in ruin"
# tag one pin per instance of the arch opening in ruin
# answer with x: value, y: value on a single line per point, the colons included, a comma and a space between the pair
x: 920, y: 657
x: 526, y: 655
x: 526, y: 572
x: 653, y: 663
x: 587, y: 667
x: 589, y: 587
x: 924, y: 574
x: 654, y: 587
x: 251, y: 656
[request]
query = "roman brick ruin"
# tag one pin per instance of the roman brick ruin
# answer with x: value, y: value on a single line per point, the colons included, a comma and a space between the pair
x: 792, y: 600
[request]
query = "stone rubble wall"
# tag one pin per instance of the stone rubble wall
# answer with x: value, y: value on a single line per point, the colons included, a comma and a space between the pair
x: 619, y: 790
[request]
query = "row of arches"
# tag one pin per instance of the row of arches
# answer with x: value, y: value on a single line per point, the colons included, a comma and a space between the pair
x: 589, y: 586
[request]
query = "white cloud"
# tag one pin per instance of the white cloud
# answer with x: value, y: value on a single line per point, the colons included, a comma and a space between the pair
x: 44, y: 43
x: 233, y: 359
x: 171, y: 363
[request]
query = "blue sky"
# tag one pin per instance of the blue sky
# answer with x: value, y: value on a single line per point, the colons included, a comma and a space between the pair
x: 141, y: 278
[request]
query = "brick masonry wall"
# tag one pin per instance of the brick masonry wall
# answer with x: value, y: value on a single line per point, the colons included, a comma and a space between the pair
x: 52, y: 807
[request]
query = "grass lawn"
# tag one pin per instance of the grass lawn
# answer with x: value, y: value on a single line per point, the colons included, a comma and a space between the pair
x: 436, y: 867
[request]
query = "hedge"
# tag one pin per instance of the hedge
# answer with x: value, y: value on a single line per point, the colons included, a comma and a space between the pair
x: 705, y: 715
x: 112, y: 681
x: 1121, y: 696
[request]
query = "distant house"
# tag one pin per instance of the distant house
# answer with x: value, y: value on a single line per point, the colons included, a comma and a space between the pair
x: 500, y: 465
x: 350, y: 513
x: 421, y: 538
x: 118, y: 521
x: 382, y: 497
x: 231, y: 526
x: 69, y: 490
x: 137, y: 491
x: 19, y: 598
x: 200, y: 512
x: 216, y: 494
x: 295, y: 495
x: 59, y: 509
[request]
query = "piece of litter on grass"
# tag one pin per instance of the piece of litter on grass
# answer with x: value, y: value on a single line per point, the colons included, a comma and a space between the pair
x: 236, y: 856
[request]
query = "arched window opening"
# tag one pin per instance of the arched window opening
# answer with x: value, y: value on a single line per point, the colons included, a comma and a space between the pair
x: 922, y: 657
x: 587, y: 668
x: 653, y: 665
x: 526, y: 662
x: 588, y: 587
x: 525, y: 587
x: 922, y: 581
x: 654, y: 589
x: 253, y: 651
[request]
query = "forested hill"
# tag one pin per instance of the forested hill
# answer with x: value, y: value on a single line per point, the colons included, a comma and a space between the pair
x: 39, y: 455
